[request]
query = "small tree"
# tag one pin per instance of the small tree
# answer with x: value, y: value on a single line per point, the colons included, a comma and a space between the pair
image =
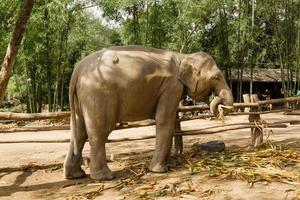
x: 13, y: 46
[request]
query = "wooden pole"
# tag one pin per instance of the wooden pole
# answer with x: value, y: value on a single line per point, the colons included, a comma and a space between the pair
x: 260, y: 112
x: 278, y: 124
x: 256, y: 133
x: 292, y: 113
x: 60, y: 115
x: 246, y: 98
x: 280, y: 100
x: 204, y: 132
x: 33, y: 116
x: 178, y: 140
x: 34, y: 129
x: 193, y: 108
x: 177, y: 130
x: 182, y: 133
x: 247, y: 105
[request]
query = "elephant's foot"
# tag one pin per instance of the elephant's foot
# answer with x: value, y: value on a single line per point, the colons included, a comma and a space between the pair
x: 73, y: 172
x: 104, y: 174
x: 158, y: 168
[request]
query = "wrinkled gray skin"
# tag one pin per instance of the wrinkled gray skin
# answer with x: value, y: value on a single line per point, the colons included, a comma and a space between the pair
x: 121, y: 84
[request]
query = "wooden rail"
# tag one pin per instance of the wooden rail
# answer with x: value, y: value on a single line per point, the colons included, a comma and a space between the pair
x: 202, y: 131
x: 241, y: 105
x: 33, y: 116
x: 251, y: 106
x: 56, y: 115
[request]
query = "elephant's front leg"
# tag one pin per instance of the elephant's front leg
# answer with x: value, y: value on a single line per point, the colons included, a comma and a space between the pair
x: 165, y: 122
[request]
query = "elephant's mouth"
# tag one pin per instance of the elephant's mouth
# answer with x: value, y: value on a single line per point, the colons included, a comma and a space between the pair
x: 214, y: 106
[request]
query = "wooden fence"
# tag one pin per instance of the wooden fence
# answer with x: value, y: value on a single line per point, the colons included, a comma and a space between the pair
x: 251, y: 107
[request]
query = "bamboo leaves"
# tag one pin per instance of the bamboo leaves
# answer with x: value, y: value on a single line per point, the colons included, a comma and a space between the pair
x: 268, y: 165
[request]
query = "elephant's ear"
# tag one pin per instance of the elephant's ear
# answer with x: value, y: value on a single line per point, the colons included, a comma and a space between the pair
x: 187, y: 75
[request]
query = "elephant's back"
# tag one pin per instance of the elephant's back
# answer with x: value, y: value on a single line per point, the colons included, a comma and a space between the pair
x: 139, y: 76
x: 138, y: 48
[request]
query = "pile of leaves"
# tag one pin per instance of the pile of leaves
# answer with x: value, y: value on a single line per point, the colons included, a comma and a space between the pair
x: 267, y: 164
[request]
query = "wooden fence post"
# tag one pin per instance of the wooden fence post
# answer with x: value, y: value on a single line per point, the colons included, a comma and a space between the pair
x: 256, y: 133
x: 246, y: 98
x: 178, y: 138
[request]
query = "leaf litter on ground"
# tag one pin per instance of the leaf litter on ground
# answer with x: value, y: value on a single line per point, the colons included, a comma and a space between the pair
x: 269, y: 163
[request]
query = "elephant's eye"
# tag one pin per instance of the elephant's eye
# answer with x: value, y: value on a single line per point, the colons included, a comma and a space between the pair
x: 216, y: 77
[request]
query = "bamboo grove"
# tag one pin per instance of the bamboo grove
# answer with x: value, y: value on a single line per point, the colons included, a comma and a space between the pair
x: 240, y: 34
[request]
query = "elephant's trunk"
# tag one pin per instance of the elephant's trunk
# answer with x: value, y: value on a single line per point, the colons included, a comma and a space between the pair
x: 224, y: 96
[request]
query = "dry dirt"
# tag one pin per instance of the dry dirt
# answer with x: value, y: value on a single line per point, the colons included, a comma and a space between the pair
x: 34, y: 170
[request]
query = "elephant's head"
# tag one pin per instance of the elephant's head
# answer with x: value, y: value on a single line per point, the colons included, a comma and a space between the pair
x: 200, y: 74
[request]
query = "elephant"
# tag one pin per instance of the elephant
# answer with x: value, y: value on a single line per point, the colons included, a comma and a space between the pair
x: 131, y: 83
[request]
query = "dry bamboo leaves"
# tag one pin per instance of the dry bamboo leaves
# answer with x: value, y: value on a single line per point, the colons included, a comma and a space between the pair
x: 264, y: 165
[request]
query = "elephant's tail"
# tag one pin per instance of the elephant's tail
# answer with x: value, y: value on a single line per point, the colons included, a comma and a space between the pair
x: 78, y: 131
x: 72, y: 96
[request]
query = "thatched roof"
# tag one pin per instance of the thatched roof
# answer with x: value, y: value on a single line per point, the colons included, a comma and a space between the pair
x: 259, y: 75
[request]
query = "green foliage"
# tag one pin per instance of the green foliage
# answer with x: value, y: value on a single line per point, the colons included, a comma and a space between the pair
x: 7, y: 18
x: 61, y: 32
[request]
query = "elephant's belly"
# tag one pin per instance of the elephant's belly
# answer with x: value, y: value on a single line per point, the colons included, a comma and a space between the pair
x: 136, y: 112
x: 135, y: 118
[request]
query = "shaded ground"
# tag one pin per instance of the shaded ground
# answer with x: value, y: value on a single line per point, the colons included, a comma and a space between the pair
x: 34, y: 170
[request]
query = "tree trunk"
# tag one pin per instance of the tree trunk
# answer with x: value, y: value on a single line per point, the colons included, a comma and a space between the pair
x: 297, y: 84
x: 58, y: 71
x: 251, y: 79
x: 147, y: 23
x: 64, y: 64
x: 48, y: 60
x: 252, y: 34
x: 14, y: 45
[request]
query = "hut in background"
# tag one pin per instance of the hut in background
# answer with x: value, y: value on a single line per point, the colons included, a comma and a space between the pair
x: 265, y: 82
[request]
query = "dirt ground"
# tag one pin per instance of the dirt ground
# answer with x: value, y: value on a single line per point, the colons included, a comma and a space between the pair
x: 34, y: 170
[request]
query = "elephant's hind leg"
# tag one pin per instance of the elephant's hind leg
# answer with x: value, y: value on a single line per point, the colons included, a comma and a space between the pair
x: 100, y: 120
x: 73, y: 162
